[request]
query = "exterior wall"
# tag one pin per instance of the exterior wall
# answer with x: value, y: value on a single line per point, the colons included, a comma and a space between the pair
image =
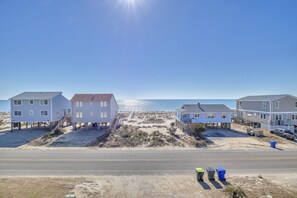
x: 253, y: 105
x: 252, y: 116
x: 286, y: 104
x: 203, y: 118
x: 60, y: 104
x: 91, y: 112
x: 286, y: 110
x: 114, y: 108
x: 25, y: 107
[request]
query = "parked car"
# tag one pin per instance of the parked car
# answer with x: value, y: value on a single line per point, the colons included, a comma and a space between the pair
x: 278, y: 132
x: 289, y: 135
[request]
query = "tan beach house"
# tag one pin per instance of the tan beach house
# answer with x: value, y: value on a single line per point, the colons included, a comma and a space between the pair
x: 93, y: 110
x: 268, y: 111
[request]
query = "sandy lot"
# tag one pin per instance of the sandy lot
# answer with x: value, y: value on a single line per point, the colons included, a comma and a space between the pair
x: 4, y: 121
x: 145, y: 186
x: 144, y: 130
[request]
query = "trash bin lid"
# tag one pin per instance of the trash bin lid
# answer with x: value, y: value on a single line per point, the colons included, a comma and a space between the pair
x: 210, y: 169
x: 221, y: 169
x: 199, y: 170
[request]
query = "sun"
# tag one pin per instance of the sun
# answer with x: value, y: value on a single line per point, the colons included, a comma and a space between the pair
x: 132, y: 4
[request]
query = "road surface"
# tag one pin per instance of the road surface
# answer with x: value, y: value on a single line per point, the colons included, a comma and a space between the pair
x: 142, y: 162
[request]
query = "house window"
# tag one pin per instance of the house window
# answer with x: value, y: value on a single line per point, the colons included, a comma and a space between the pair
x: 17, y: 102
x: 44, y: 102
x: 197, y: 115
x: 296, y: 104
x: 103, y: 104
x: 210, y: 115
x: 44, y: 113
x: 293, y: 117
x: 79, y: 114
x: 103, y: 115
x: 264, y: 116
x: 31, y: 102
x: 31, y: 112
x: 69, y: 110
x: 261, y: 116
x: 17, y: 113
x: 276, y: 104
x: 264, y: 105
x: 79, y: 104
x: 278, y: 117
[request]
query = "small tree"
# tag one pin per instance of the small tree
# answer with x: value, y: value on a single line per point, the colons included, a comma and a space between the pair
x: 235, y: 192
x: 197, y: 129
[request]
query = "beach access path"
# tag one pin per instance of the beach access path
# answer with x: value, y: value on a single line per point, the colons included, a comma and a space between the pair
x: 142, y: 162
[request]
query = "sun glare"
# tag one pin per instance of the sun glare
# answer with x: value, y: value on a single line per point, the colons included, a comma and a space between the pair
x: 132, y: 5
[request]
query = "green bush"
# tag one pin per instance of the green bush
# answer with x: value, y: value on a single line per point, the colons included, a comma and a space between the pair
x: 235, y: 192
x: 197, y: 129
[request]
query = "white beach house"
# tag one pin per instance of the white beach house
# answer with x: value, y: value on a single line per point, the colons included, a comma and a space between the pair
x: 95, y: 109
x: 218, y: 115
x: 38, y: 107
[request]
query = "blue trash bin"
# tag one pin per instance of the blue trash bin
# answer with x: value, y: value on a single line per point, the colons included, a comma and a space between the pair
x: 273, y: 144
x: 221, y: 173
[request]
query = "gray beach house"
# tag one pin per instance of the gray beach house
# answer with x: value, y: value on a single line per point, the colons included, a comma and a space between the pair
x: 268, y: 111
x: 95, y: 109
x: 38, y: 107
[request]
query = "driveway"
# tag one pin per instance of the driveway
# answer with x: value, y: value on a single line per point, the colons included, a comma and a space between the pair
x: 80, y: 138
x: 224, y: 133
x: 18, y: 138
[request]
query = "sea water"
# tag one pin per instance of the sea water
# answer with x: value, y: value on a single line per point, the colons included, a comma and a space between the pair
x: 151, y: 105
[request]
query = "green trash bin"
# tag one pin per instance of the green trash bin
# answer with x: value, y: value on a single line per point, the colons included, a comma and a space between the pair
x: 199, y: 174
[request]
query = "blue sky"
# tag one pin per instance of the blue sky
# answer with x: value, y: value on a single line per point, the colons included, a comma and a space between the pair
x: 149, y: 48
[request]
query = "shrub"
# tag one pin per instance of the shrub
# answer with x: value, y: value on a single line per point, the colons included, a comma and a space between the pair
x: 235, y: 191
x: 197, y: 129
x: 172, y: 124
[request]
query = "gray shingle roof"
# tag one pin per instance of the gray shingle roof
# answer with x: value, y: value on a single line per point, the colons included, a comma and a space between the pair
x: 36, y: 95
x: 264, y: 97
x: 195, y: 108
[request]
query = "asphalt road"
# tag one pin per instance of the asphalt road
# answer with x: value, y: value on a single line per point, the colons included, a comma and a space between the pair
x: 139, y: 162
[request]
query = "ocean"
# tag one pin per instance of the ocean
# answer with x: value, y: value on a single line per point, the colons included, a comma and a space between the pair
x: 151, y: 105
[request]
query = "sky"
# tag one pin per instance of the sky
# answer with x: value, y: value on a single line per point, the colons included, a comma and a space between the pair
x: 149, y: 49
